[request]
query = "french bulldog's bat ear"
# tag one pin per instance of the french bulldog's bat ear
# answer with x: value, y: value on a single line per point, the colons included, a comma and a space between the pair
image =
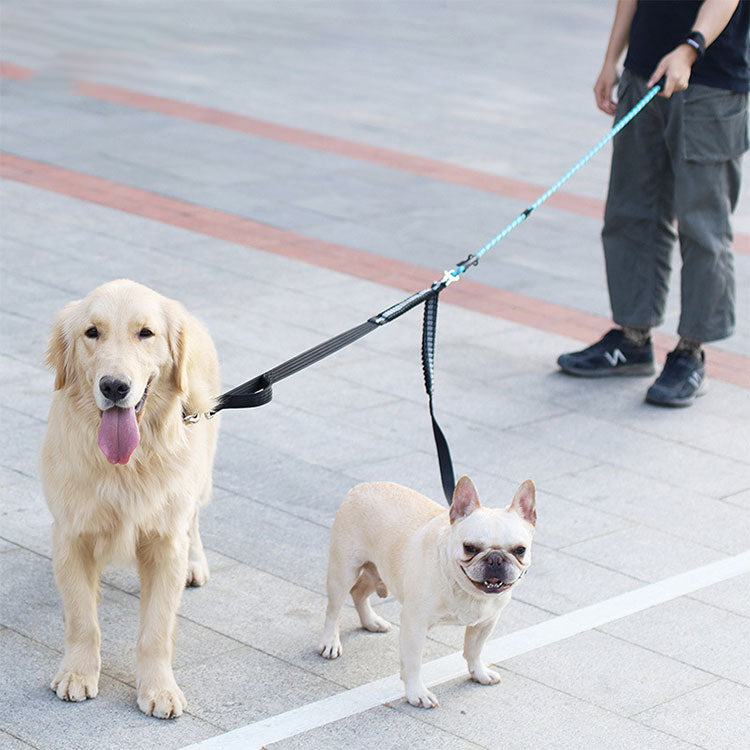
x: 465, y: 499
x: 524, y: 502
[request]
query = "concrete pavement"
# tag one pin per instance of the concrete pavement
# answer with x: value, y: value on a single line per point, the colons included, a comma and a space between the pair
x: 287, y: 170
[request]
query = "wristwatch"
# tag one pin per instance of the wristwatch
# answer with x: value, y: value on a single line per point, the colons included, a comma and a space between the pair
x: 697, y: 41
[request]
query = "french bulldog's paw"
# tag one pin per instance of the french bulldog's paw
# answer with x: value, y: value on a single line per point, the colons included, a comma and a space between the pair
x: 162, y: 701
x: 484, y: 675
x: 330, y: 649
x: 421, y: 697
x: 72, y: 686
x: 376, y: 624
x: 197, y: 572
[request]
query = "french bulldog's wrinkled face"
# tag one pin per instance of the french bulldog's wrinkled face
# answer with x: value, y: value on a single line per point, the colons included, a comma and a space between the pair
x: 491, y: 547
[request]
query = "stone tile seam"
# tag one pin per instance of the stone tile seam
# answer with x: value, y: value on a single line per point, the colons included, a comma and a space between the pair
x: 19, y: 739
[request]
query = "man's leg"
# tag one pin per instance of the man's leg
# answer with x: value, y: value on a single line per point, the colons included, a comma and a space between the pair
x: 707, y: 135
x: 638, y: 233
x: 637, y: 237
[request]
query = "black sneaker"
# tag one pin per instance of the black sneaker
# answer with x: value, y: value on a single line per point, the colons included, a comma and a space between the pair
x: 681, y: 381
x: 613, y: 354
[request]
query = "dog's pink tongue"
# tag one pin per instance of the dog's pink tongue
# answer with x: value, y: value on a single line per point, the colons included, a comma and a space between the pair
x: 118, y: 434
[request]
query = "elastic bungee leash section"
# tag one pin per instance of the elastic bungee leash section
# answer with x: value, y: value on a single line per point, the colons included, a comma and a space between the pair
x: 259, y: 390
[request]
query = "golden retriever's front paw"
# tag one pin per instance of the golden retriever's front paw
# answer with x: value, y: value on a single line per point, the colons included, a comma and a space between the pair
x: 71, y: 686
x: 197, y: 572
x: 161, y: 701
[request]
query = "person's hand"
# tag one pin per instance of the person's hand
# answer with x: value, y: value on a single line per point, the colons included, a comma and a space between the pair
x: 676, y: 68
x: 603, y: 88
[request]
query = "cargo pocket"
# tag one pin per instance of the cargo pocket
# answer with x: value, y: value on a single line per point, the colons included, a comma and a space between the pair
x: 715, y: 128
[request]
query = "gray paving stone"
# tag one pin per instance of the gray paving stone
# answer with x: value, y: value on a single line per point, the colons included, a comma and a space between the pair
x: 609, y: 673
x: 562, y: 523
x: 25, y: 517
x: 724, y: 595
x: 527, y: 713
x: 31, y: 712
x: 689, y: 515
x: 261, y: 535
x: 13, y: 743
x: 679, y: 465
x: 31, y: 606
x: 677, y: 629
x: 246, y: 685
x: 712, y: 716
x: 559, y: 583
x: 739, y: 498
x: 630, y: 549
x: 381, y: 727
x: 280, y: 480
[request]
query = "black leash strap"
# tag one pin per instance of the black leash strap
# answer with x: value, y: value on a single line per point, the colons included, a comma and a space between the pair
x: 259, y: 390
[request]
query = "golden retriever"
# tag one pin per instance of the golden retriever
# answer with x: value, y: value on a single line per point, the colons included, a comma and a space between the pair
x: 125, y: 475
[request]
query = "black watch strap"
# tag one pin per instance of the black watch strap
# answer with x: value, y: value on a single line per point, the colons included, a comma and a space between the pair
x: 697, y: 41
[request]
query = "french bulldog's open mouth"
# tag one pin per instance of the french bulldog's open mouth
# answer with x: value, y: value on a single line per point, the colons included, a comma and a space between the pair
x: 491, y: 585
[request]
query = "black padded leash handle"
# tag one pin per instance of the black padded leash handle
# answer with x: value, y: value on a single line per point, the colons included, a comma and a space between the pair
x: 429, y: 327
x: 259, y: 390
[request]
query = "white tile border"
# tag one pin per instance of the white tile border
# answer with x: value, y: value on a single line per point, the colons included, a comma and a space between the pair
x: 373, y: 694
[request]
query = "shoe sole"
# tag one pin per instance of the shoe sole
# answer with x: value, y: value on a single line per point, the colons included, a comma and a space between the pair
x: 625, y: 370
x: 679, y: 402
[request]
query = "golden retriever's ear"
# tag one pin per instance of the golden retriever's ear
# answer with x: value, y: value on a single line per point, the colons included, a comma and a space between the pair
x: 59, y: 356
x: 195, y: 367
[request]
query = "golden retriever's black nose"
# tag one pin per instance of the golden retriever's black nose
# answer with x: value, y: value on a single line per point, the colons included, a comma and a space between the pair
x: 114, y: 389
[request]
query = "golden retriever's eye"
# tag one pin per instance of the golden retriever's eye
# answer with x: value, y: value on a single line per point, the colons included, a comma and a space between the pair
x: 470, y: 549
x: 145, y: 333
x: 519, y: 551
x: 92, y: 333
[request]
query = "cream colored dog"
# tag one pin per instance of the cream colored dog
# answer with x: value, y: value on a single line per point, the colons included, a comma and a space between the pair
x: 124, y: 475
x: 445, y: 566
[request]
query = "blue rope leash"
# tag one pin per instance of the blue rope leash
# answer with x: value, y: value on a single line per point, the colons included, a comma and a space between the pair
x: 472, y: 260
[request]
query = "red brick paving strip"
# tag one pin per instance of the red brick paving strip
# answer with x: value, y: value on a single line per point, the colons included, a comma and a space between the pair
x: 385, y: 157
x: 473, y: 295
x: 16, y: 72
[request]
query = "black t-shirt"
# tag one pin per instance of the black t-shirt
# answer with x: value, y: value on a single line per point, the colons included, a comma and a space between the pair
x: 660, y: 25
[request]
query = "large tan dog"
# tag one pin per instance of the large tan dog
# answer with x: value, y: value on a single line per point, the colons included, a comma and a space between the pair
x: 125, y: 475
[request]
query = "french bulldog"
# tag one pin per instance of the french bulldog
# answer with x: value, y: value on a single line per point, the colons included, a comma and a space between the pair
x: 456, y: 565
